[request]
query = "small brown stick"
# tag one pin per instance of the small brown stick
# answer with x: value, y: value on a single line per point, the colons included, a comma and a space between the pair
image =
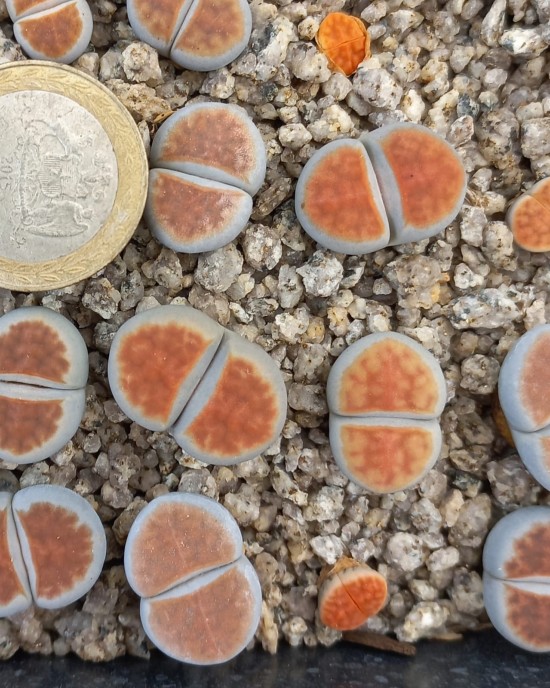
x: 380, y: 642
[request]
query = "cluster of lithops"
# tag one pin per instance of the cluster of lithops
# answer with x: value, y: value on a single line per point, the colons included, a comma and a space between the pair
x: 208, y: 161
x: 57, y: 30
x: 397, y: 184
x: 516, y: 578
x: 529, y: 218
x: 196, y: 34
x: 43, y: 373
x: 385, y: 394
x: 349, y: 593
x: 344, y: 40
x: 523, y: 390
x: 221, y: 397
x: 52, y: 548
x: 201, y: 597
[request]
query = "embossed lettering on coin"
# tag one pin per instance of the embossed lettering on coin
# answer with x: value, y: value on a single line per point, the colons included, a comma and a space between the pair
x: 58, y: 176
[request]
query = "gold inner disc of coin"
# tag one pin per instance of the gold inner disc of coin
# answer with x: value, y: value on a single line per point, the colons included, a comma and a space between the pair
x: 73, y: 176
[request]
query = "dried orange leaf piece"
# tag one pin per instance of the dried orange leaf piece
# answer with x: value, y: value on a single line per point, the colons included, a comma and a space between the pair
x: 349, y: 593
x: 344, y: 40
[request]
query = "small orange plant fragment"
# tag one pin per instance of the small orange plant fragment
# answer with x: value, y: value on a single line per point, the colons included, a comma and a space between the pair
x: 344, y: 40
x: 349, y: 593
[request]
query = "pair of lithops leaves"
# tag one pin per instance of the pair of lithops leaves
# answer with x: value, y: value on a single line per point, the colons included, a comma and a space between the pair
x: 196, y: 34
x: 201, y: 597
x: 529, y: 218
x: 207, y: 161
x: 523, y: 390
x: 52, y: 548
x: 385, y: 394
x: 57, y: 30
x: 394, y: 185
x: 221, y: 397
x: 43, y: 373
x: 516, y: 578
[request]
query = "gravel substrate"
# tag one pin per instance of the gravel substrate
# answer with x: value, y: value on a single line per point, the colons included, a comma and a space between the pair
x: 477, y: 73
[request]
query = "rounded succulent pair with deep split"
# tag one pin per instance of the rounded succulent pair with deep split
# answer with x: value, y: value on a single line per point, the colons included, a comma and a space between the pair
x: 200, y: 596
x: 396, y: 184
x: 523, y: 390
x: 57, y: 30
x: 221, y: 397
x: 516, y: 578
x: 196, y: 34
x: 385, y: 394
x: 207, y: 162
x: 516, y: 563
x: 43, y: 374
x: 52, y: 548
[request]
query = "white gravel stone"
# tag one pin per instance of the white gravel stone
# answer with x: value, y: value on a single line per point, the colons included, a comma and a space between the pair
x: 321, y: 274
x: 291, y: 326
x: 272, y: 43
x: 479, y: 374
x: 490, y: 308
x: 294, y: 136
x: 290, y: 287
x: 493, y: 23
x: 443, y: 559
x: 285, y: 487
x: 535, y: 137
x: 325, y: 505
x: 217, y: 270
x: 262, y: 247
x: 140, y: 63
x: 337, y: 85
x: 329, y: 548
x: 421, y: 621
x: 405, y: 551
x: 333, y: 123
x: 472, y: 524
x: 377, y: 87
x: 307, y: 63
x: 450, y: 507
x: 525, y: 43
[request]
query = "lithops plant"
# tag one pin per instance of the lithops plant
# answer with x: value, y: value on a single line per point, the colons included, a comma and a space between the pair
x: 201, y: 597
x: 516, y: 578
x: 220, y: 396
x: 385, y: 393
x: 51, y: 29
x: 15, y: 593
x: 207, y: 160
x: 397, y: 184
x: 43, y: 373
x: 529, y: 218
x: 344, y: 40
x: 196, y: 34
x: 53, y: 548
x: 523, y: 385
x: 350, y: 593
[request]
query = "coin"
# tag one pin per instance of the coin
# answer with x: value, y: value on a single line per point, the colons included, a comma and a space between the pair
x: 73, y: 176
